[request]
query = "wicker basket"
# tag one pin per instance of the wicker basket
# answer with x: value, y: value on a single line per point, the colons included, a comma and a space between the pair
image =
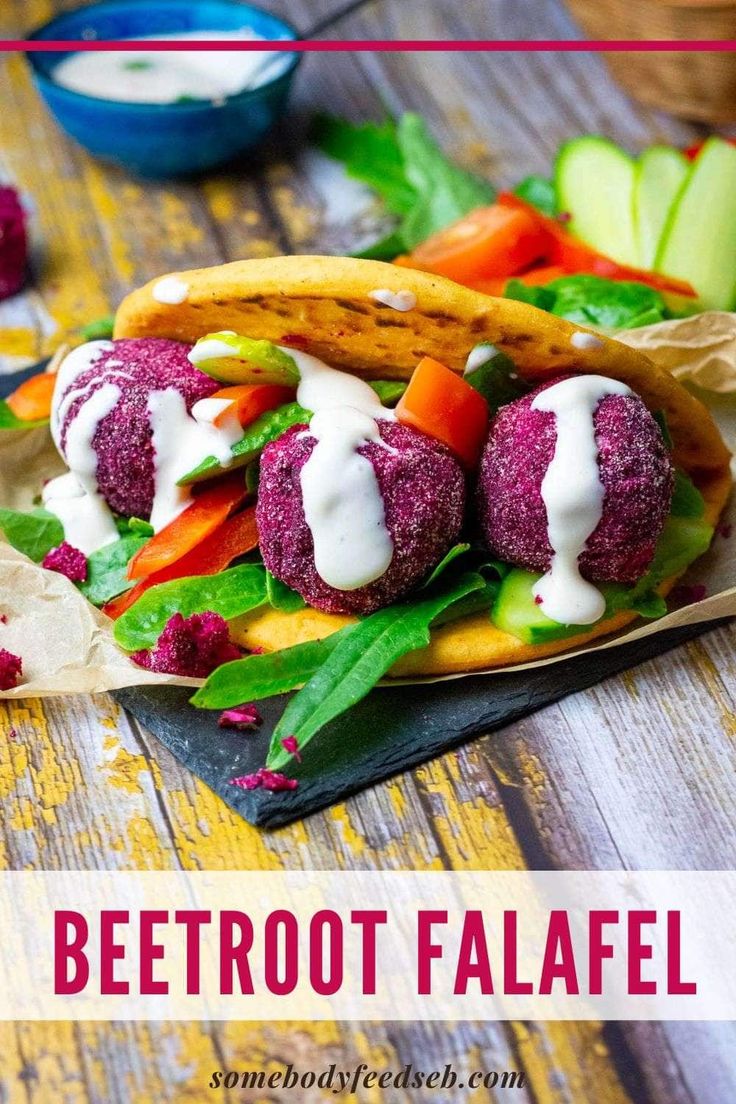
x: 692, y: 85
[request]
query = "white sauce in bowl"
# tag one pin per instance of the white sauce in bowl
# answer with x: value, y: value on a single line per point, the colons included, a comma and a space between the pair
x: 573, y: 495
x: 171, y: 76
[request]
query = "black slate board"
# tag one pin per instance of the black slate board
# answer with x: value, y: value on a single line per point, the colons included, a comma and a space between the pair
x: 391, y: 730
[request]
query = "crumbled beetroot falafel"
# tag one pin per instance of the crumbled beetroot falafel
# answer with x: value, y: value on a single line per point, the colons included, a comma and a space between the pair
x: 122, y: 441
x: 244, y: 717
x: 635, y: 469
x: 265, y: 779
x: 190, y: 646
x: 67, y: 560
x: 423, y: 491
x: 13, y: 243
x: 11, y: 669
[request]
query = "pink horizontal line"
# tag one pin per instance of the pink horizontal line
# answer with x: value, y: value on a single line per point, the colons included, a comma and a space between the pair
x: 386, y: 46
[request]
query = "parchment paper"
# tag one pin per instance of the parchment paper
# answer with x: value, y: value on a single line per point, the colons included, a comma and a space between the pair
x: 67, y: 646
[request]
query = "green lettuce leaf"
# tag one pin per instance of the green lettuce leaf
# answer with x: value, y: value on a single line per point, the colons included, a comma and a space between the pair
x: 230, y: 593
x: 8, y: 420
x: 282, y: 597
x: 360, y: 660
x: 687, y: 501
x: 33, y: 533
x: 107, y: 567
x: 416, y: 180
x: 594, y: 301
x: 264, y: 676
x: 540, y: 192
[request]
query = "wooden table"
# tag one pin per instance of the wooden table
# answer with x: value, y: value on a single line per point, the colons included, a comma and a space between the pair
x: 636, y: 773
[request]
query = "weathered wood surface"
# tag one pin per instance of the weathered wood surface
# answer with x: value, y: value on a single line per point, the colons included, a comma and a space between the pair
x: 637, y: 773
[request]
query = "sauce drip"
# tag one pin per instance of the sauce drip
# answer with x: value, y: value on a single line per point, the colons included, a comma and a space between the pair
x: 343, y: 506
x: 573, y: 495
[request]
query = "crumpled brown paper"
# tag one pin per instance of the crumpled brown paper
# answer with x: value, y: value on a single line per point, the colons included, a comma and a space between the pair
x: 67, y: 645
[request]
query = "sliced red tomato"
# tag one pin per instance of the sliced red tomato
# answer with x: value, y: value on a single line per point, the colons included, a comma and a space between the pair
x: 543, y: 274
x: 441, y: 404
x: 250, y: 400
x: 575, y: 256
x: 208, y: 511
x: 488, y: 242
x: 233, y: 538
x: 31, y: 402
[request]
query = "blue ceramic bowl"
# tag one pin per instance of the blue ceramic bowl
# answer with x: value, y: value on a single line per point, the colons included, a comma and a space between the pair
x: 163, y: 140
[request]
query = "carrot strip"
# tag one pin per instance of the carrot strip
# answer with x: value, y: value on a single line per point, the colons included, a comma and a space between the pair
x: 251, y: 400
x: 208, y: 511
x: 233, y: 538
x: 31, y: 402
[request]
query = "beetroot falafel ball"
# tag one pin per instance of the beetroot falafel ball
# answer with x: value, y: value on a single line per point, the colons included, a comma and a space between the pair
x: 122, y: 440
x: 635, y: 469
x: 423, y: 491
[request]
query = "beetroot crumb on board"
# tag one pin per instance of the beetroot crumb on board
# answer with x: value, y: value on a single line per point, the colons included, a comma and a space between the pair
x: 11, y: 669
x: 265, y: 779
x: 290, y: 744
x: 67, y: 560
x: 13, y: 734
x: 3, y: 618
x: 190, y: 646
x: 688, y: 594
x: 13, y: 243
x: 538, y: 599
x: 245, y: 717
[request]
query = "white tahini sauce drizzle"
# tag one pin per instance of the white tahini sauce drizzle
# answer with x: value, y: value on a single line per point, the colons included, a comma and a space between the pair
x: 398, y: 300
x: 478, y: 356
x: 586, y: 341
x: 151, y: 76
x: 171, y: 290
x: 573, y: 496
x: 343, y: 506
x: 181, y: 442
x: 211, y: 350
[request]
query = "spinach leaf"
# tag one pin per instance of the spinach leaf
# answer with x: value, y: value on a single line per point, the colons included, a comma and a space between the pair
x: 259, y: 434
x: 360, y: 660
x: 107, y: 570
x: 282, y: 597
x: 447, y: 559
x: 263, y: 676
x: 540, y: 192
x: 389, y: 391
x: 371, y: 154
x: 444, y: 191
x: 594, y: 301
x: 496, y: 378
x: 8, y: 420
x: 687, y: 501
x: 34, y: 533
x: 98, y: 330
x: 404, y: 164
x: 230, y: 593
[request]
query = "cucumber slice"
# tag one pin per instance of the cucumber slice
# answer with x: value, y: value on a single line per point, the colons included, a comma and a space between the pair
x: 594, y: 179
x: 233, y: 359
x: 699, y: 240
x: 660, y: 174
x: 515, y: 611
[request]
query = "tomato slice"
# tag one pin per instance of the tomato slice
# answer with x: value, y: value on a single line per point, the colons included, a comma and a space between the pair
x: 31, y: 402
x: 543, y: 274
x: 208, y: 511
x: 251, y: 400
x: 489, y: 242
x: 575, y: 256
x: 233, y: 538
x: 441, y: 404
